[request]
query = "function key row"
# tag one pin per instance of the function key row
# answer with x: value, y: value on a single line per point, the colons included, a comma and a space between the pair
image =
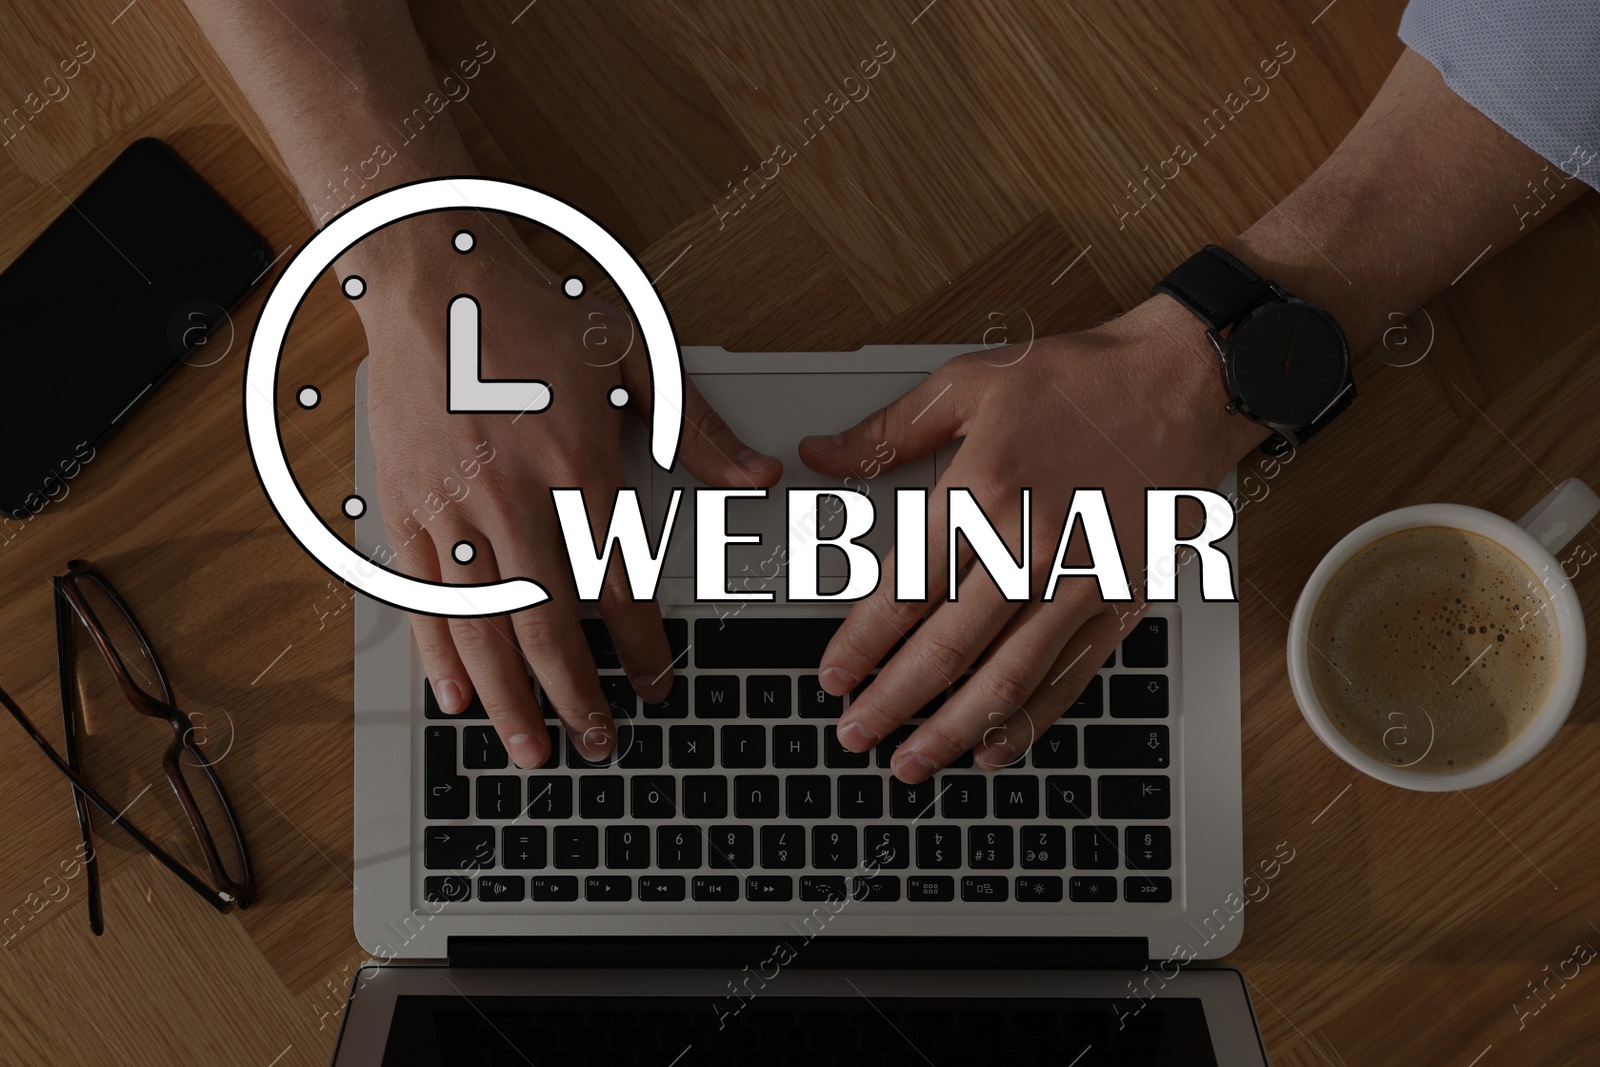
x: 797, y: 796
x: 829, y: 848
x: 1036, y: 889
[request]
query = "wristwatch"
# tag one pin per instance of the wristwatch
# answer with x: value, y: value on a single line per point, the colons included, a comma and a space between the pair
x: 1285, y: 362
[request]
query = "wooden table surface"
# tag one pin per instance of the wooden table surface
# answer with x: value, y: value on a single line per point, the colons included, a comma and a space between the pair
x: 980, y: 183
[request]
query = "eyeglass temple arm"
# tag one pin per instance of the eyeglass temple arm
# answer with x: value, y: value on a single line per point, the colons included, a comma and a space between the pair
x: 210, y: 895
x: 64, y: 681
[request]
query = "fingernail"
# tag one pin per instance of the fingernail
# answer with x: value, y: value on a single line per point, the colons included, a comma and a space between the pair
x: 451, y: 700
x: 524, y: 752
x: 912, y: 767
x: 822, y: 445
x: 753, y: 461
x: 838, y: 681
x: 854, y: 734
x: 1000, y: 754
x: 595, y: 743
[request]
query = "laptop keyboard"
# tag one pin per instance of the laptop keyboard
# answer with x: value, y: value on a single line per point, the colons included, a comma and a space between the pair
x: 734, y: 790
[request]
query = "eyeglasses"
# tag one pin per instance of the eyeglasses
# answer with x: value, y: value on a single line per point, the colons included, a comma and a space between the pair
x: 142, y: 681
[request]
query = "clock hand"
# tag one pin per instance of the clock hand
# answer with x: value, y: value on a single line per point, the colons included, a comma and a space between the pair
x: 1292, y: 339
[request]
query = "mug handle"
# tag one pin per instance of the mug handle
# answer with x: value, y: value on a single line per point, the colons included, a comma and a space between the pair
x: 1564, y: 511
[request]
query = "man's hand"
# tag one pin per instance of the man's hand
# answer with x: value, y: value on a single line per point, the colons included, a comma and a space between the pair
x: 485, y: 478
x: 1133, y: 404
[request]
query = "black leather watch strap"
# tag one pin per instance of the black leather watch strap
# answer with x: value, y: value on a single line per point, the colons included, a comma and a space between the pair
x: 1215, y: 286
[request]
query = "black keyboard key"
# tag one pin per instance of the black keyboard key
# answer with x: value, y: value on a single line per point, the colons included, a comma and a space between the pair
x: 1147, y: 848
x: 1057, y: 748
x: 502, y: 888
x: 1147, y: 889
x: 1088, y: 889
x: 768, y: 696
x: 499, y: 796
x: 1111, y: 660
x: 776, y: 887
x: 964, y: 796
x: 445, y: 793
x: 1094, y: 848
x: 678, y: 847
x: 608, y: 887
x: 836, y: 755
x: 1044, y: 848
x: 446, y: 889
x: 744, y: 747
x: 691, y: 746
x: 549, y: 797
x: 1138, y: 696
x: 770, y: 643
x: 963, y: 759
x: 677, y: 641
x: 794, y: 746
x: 809, y: 796
x: 1146, y: 644
x: 1132, y: 747
x: 817, y: 703
x: 833, y: 847
x: 716, y: 696
x: 755, y: 796
x: 627, y: 847
x: 655, y: 796
x: 705, y: 796
x: 860, y: 796
x: 731, y: 848
x: 931, y: 887
x: 1135, y: 796
x: 553, y: 759
x: 600, y: 796
x: 783, y: 847
x: 887, y: 846
x: 985, y: 888
x: 716, y: 887
x: 661, y: 887
x: 553, y: 887
x: 1090, y: 703
x: 911, y: 801
x: 577, y: 759
x: 639, y: 746
x: 815, y: 887
x: 523, y: 847
x: 601, y: 647
x: 577, y: 847
x: 938, y: 847
x: 897, y: 737
x: 620, y: 695
x: 676, y: 704
x: 1038, y: 888
x: 481, y: 749
x: 1066, y: 796
x: 989, y: 848
x: 458, y: 848
x: 875, y: 887
x: 1016, y: 796
x: 432, y: 710
x: 933, y: 705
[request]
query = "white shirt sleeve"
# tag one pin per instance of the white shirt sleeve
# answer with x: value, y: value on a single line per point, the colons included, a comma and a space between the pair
x: 1533, y: 66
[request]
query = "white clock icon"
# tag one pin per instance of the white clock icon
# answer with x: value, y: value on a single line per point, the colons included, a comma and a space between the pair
x: 467, y: 392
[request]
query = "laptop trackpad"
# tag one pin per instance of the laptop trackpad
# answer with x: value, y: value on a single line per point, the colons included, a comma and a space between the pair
x: 771, y: 412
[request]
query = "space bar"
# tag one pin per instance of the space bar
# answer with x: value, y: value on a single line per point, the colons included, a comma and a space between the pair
x: 776, y: 642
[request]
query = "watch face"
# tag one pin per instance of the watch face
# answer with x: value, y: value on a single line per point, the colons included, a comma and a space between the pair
x: 1287, y: 362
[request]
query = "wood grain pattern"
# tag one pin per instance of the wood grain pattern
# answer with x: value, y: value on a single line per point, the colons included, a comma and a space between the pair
x: 988, y: 157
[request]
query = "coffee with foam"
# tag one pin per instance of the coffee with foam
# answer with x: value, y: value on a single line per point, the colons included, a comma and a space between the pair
x: 1433, y: 648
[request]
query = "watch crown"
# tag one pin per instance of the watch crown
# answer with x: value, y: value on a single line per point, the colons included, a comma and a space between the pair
x: 1232, y: 407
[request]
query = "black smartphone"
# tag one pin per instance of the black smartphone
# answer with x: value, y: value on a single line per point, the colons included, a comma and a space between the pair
x: 124, y: 284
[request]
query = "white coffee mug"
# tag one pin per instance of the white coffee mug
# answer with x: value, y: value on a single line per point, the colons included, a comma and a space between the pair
x: 1553, y: 523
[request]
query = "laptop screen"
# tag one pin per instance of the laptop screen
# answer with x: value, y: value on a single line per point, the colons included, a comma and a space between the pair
x: 434, y: 1031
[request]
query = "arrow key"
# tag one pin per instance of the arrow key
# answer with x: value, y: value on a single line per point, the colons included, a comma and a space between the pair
x: 1139, y: 696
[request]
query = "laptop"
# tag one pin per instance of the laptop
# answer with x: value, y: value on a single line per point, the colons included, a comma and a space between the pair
x: 733, y: 886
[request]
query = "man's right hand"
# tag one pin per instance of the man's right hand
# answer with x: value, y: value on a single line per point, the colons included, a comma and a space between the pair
x: 485, y: 478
